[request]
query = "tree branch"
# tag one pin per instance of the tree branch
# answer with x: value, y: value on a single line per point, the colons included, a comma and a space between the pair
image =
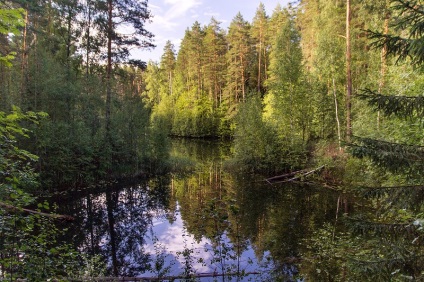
x: 50, y: 215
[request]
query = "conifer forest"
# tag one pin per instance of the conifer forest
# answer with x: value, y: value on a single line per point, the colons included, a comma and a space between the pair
x: 286, y: 147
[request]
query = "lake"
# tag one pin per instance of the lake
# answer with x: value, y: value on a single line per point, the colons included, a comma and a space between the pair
x: 203, y: 221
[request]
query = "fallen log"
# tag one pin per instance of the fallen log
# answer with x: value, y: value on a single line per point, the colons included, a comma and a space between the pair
x: 270, y: 179
x: 298, y: 175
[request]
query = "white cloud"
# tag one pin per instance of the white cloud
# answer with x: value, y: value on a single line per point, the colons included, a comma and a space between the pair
x: 180, y: 7
x: 174, y: 238
x: 163, y: 23
x: 169, y: 16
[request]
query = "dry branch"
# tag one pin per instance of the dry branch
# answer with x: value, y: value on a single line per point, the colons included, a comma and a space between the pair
x: 298, y: 174
x: 285, y: 175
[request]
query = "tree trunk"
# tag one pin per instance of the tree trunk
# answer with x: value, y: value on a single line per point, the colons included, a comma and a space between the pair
x: 24, y: 62
x: 348, y: 74
x: 337, y: 115
x: 260, y: 61
x: 109, y: 69
x: 111, y: 224
x: 383, y: 66
x: 87, y: 66
x: 69, y: 37
x: 90, y: 222
x: 243, y: 79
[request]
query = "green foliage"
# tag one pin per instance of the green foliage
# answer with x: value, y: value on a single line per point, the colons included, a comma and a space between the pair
x: 260, y: 36
x: 286, y: 107
x: 177, y: 89
x: 156, y: 155
x: 160, y: 269
x: 15, y: 163
x: 6, y: 60
x: 331, y: 255
x: 256, y: 145
x: 215, y: 67
x: 392, y: 156
x: 115, y: 121
x: 400, y: 106
x: 10, y: 22
x: 384, y: 239
x: 187, y: 255
x: 408, y: 43
x: 29, y: 244
x: 238, y: 60
x: 10, y: 19
x: 41, y: 256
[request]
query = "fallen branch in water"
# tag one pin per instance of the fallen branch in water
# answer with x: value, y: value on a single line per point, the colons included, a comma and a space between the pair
x: 269, y: 180
x: 299, y: 174
x: 51, y: 215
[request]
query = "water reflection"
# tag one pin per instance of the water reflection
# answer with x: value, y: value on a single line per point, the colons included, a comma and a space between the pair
x: 205, y: 256
x: 206, y: 221
x: 114, y: 224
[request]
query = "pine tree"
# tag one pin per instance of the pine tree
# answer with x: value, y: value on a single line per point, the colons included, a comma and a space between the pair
x: 260, y: 38
x: 239, y: 59
x: 307, y: 19
x: 190, y: 58
x: 215, y: 61
x: 117, y: 13
x: 160, y: 89
x: 167, y: 65
x: 276, y: 22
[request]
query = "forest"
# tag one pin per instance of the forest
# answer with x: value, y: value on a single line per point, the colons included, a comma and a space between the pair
x: 318, y: 83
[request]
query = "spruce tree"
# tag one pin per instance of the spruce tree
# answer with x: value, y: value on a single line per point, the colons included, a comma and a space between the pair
x: 395, y: 224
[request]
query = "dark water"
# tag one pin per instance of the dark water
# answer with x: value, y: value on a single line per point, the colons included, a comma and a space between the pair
x: 205, y: 220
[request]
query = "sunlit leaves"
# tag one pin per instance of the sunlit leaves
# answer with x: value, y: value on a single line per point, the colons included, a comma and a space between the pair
x: 10, y: 22
x: 10, y: 19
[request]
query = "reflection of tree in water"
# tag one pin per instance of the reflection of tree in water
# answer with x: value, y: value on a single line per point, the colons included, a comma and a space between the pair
x: 235, y: 212
x: 278, y: 218
x: 114, y: 223
x: 274, y: 219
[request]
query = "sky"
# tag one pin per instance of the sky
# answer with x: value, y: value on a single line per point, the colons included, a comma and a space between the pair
x: 174, y: 239
x: 171, y: 18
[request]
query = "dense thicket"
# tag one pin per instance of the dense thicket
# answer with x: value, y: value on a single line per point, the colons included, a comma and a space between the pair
x: 383, y: 241
x: 71, y: 115
x: 72, y: 61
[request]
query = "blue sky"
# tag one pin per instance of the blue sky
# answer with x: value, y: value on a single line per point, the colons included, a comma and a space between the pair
x: 172, y: 17
x: 173, y: 239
